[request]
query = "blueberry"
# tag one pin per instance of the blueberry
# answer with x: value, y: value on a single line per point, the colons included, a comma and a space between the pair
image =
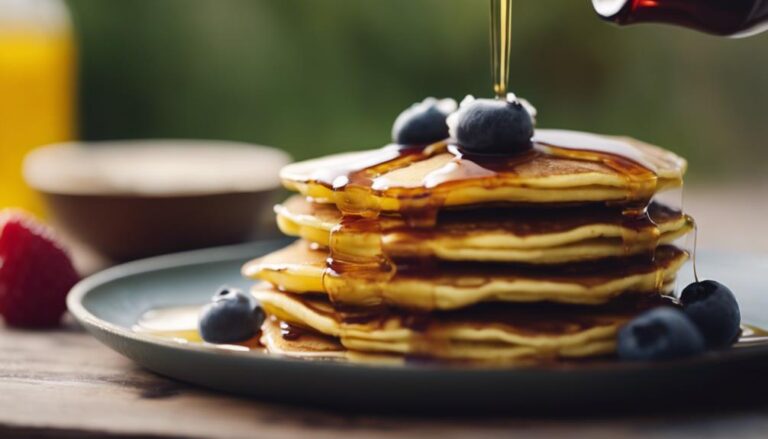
x: 232, y: 316
x: 660, y: 334
x: 712, y: 307
x: 493, y: 126
x: 423, y: 122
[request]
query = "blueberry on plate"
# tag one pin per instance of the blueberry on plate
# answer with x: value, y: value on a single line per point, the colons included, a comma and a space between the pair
x: 660, y: 334
x: 493, y: 126
x: 424, y: 122
x: 713, y: 308
x: 231, y: 317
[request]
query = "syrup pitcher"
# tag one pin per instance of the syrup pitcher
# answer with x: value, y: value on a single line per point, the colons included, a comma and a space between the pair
x: 735, y: 18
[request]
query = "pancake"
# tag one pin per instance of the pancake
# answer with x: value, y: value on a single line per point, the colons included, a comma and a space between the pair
x: 495, y: 333
x: 540, y: 236
x: 429, y: 285
x: 281, y: 338
x: 563, y: 167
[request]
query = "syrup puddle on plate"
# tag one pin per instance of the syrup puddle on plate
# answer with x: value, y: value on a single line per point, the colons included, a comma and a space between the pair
x: 752, y: 336
x: 179, y: 324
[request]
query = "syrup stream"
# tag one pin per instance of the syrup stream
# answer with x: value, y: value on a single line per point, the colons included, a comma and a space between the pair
x: 501, y: 38
x: 695, y: 247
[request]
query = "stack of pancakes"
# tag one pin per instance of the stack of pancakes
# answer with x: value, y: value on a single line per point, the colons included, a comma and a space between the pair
x: 429, y: 252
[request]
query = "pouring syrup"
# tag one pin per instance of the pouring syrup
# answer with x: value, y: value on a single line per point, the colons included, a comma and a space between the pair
x: 501, y: 39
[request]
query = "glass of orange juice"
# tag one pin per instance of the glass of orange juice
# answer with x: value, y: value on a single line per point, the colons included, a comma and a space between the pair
x: 37, y: 88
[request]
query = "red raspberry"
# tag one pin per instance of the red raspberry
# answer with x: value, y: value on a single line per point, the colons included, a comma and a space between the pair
x: 36, y: 273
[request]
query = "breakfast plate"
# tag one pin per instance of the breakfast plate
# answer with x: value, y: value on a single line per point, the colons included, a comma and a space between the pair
x: 110, y: 303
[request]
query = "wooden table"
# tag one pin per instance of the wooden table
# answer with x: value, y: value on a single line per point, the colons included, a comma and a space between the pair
x: 65, y: 384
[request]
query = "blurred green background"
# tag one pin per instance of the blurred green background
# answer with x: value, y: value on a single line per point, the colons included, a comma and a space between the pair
x: 318, y: 76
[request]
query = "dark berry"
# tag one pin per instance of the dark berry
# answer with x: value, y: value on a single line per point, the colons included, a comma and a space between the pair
x: 423, y: 122
x: 233, y: 316
x: 492, y: 126
x: 713, y: 308
x: 660, y: 334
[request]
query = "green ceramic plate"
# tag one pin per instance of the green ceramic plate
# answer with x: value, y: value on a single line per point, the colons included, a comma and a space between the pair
x: 109, y: 303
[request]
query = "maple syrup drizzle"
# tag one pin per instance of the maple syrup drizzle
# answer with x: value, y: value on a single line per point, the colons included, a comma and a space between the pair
x: 291, y: 332
x: 695, y: 248
x: 501, y: 39
x: 640, y: 175
x: 179, y: 324
x: 357, y: 191
x: 354, y: 197
x: 752, y: 335
x: 692, y: 240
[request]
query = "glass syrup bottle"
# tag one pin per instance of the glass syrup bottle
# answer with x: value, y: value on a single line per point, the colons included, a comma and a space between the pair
x: 735, y: 18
